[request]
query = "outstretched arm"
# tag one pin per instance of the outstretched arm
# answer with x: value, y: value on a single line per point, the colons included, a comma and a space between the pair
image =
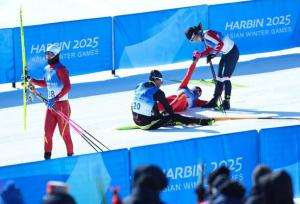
x: 188, y: 76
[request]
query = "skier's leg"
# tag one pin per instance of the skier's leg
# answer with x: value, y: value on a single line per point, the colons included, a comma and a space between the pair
x: 64, y: 127
x: 155, y: 124
x: 190, y: 120
x: 49, y: 127
x: 179, y: 104
x: 218, y: 88
x: 230, y: 63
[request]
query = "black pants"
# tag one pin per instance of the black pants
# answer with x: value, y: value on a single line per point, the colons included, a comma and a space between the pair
x: 152, y: 123
x: 226, y: 68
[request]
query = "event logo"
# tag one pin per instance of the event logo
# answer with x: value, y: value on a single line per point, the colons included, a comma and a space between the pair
x: 77, y: 48
x: 259, y: 27
x: 186, y: 177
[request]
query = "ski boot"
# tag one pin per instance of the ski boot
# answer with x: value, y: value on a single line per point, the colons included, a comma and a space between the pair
x: 170, y: 123
x: 206, y: 121
x: 212, y: 103
x: 47, y: 155
x: 226, y: 103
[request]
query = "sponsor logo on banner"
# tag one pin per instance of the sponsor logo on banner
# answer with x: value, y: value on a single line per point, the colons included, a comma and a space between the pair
x: 187, y: 177
x: 273, y: 25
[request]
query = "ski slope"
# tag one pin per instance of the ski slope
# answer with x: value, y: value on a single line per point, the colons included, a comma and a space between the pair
x: 267, y: 86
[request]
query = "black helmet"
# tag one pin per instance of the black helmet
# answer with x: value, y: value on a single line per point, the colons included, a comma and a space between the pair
x: 192, y: 31
x: 155, y: 74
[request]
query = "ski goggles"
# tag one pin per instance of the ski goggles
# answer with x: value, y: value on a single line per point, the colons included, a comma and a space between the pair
x: 161, y: 79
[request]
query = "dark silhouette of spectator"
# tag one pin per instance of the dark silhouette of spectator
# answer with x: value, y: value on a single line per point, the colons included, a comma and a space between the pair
x: 256, y: 194
x: 274, y: 188
x: 278, y: 188
x: 222, y: 173
x: 259, y: 172
x: 229, y: 192
x: 215, y: 179
x: 148, y: 182
x: 11, y: 194
x: 58, y: 193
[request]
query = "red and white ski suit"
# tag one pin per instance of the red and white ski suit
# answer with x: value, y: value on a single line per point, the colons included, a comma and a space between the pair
x: 62, y: 104
x: 180, y: 102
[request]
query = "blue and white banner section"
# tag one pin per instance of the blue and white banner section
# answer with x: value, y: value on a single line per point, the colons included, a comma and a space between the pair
x: 258, y: 26
x: 85, y: 46
x: 88, y: 176
x: 280, y: 149
x: 183, y: 161
x: 7, y: 71
x: 117, y: 164
x: 155, y: 38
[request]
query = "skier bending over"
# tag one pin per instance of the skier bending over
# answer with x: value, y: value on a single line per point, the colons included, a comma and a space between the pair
x: 186, y: 97
x: 145, y: 109
x: 215, y: 43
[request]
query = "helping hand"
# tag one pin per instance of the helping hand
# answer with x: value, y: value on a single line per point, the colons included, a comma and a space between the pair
x: 210, y: 57
x: 196, y: 55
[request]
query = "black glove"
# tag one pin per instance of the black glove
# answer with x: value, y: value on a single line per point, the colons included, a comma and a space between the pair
x: 196, y: 55
x: 209, y: 57
x: 26, y: 79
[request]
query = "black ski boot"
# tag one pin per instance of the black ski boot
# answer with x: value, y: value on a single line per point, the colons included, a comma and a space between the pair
x: 226, y: 103
x: 205, y: 121
x: 212, y: 103
x: 47, y: 155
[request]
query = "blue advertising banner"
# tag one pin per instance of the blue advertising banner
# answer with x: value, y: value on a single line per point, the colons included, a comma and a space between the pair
x: 85, y: 46
x: 7, y: 71
x: 117, y: 164
x: 155, y: 38
x: 89, y: 176
x: 280, y: 149
x: 182, y: 161
x: 258, y: 26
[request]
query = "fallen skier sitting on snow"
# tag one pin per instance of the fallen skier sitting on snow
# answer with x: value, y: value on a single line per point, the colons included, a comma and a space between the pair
x: 145, y: 109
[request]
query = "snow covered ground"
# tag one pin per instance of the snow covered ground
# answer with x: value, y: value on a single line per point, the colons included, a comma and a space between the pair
x: 265, y: 85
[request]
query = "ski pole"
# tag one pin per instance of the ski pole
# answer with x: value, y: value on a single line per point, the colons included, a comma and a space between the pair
x: 256, y: 118
x: 215, y: 79
x: 88, y: 140
x: 24, y: 70
x: 69, y: 121
x: 88, y: 133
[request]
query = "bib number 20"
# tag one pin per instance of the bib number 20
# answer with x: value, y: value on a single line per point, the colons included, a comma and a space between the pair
x: 136, y: 106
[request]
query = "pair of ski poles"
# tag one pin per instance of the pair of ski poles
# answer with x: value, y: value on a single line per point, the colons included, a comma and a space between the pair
x: 88, y: 137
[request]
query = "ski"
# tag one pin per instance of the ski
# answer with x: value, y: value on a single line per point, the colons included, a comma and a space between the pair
x: 256, y: 118
x: 24, y: 70
x: 132, y: 127
x: 178, y: 124
x: 208, y: 82
x: 81, y: 131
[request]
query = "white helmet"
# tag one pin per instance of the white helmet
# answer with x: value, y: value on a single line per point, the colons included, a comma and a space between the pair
x: 54, y: 49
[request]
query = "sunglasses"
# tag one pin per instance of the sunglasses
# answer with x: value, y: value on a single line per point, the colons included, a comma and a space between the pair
x: 192, y: 38
x: 49, y: 53
x: 161, y: 79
